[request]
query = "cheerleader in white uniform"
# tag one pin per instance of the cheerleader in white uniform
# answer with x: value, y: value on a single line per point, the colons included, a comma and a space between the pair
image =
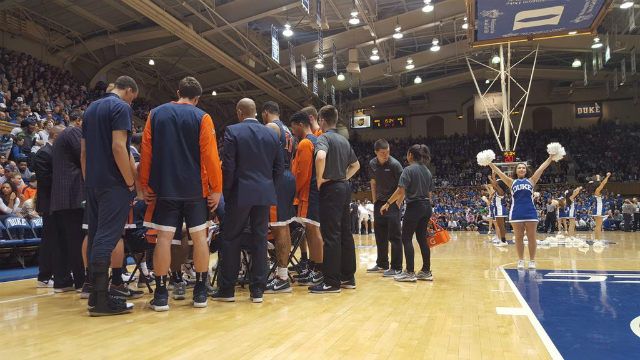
x: 598, y: 212
x: 523, y: 215
x: 567, y: 207
x: 487, y: 200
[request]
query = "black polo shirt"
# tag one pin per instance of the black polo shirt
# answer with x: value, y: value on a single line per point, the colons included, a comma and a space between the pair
x: 386, y: 176
x: 101, y: 118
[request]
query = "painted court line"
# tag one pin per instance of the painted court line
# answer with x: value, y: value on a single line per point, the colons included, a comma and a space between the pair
x: 26, y: 298
x: 510, y: 311
x: 544, y: 337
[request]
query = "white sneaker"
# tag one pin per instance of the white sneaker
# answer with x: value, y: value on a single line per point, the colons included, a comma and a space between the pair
x: 44, y: 284
x: 406, y: 277
x: 499, y: 243
x: 520, y: 264
x: 532, y: 265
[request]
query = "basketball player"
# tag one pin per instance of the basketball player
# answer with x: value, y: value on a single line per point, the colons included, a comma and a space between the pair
x: 307, y: 195
x: 283, y: 213
x: 523, y: 215
x: 109, y: 175
x: 180, y: 173
x: 598, y: 212
x: 499, y: 208
x: 313, y: 118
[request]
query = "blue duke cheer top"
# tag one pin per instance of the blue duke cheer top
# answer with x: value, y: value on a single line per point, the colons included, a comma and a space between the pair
x: 522, y: 206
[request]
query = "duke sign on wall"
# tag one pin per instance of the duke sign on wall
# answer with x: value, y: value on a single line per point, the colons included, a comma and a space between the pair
x: 587, y: 110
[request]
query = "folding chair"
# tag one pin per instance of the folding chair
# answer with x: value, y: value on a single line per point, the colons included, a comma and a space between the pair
x: 297, y: 234
x: 36, y: 225
x: 136, y: 244
x: 16, y: 229
x: 245, y: 260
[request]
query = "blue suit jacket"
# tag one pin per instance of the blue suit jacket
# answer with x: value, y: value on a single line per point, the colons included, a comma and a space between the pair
x: 251, y: 160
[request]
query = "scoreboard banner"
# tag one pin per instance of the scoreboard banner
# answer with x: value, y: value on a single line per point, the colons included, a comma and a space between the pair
x: 499, y: 21
x: 388, y: 122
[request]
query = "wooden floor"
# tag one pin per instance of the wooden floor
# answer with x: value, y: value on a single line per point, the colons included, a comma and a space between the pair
x: 452, y: 318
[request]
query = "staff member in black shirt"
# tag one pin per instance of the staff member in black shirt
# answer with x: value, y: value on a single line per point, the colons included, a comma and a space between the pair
x: 385, y: 173
x: 415, y: 185
x: 109, y: 175
x: 335, y: 164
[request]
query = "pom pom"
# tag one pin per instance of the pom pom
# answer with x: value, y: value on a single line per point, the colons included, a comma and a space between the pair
x: 485, y: 157
x: 484, y: 198
x: 556, y: 151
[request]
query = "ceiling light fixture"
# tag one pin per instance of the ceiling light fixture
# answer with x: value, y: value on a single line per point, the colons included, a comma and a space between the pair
x: 287, y: 32
x: 319, y: 65
x: 572, y: 32
x: 465, y: 25
x: 151, y: 62
x: 596, y: 43
x: 576, y: 63
x: 434, y: 45
x: 354, y: 20
x: 397, y: 34
x: 487, y: 81
x: 374, y: 55
x: 341, y: 77
x: 417, y: 80
x: 214, y: 93
x: 626, y: 4
x: 495, y: 59
x: 428, y: 7
x: 410, y: 65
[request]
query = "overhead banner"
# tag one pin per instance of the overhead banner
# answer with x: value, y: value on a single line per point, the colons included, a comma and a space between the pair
x: 324, y: 90
x: 588, y: 110
x: 505, y: 20
x: 292, y: 60
x: 320, y: 45
x: 303, y: 71
x: 319, y: 13
x: 333, y: 95
x: 275, y: 44
x: 493, y: 102
x: 585, y: 80
x: 315, y: 81
x: 607, y: 49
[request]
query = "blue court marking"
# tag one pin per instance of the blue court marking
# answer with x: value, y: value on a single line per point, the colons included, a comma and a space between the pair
x: 586, y: 314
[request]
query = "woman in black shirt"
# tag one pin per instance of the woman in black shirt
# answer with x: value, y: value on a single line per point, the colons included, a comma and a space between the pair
x: 415, y: 185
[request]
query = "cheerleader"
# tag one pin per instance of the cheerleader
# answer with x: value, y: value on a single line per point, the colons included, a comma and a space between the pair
x: 598, y: 212
x: 523, y: 215
x: 567, y: 210
x: 487, y: 201
x: 499, y: 207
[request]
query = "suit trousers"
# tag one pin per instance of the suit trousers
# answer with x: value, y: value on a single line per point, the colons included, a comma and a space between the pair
x: 335, y: 225
x: 46, y: 251
x: 236, y: 220
x: 65, y: 234
x: 387, y: 230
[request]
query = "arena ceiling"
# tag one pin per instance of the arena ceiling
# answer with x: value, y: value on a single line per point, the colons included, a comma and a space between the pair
x: 226, y: 44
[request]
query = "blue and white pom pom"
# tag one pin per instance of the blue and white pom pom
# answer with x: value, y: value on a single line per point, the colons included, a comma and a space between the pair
x: 485, y: 157
x: 556, y: 151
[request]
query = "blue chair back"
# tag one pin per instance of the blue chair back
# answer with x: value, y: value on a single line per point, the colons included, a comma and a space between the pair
x: 36, y: 225
x: 18, y: 228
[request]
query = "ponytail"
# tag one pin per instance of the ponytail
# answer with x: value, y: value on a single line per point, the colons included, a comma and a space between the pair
x: 420, y: 153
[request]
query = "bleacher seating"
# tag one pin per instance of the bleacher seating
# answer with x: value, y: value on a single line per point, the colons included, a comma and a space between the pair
x: 20, y: 240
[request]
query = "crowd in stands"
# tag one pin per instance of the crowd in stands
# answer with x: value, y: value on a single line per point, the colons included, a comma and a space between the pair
x: 595, y: 149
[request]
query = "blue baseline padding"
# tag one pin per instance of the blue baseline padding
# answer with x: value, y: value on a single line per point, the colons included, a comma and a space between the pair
x: 585, y: 320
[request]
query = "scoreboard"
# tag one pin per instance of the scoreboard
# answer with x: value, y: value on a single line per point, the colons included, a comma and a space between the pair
x: 388, y: 122
x: 509, y: 156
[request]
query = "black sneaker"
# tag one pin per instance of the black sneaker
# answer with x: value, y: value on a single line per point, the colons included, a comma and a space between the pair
x: 348, y: 284
x: 314, y: 278
x: 303, y: 274
x: 179, y: 291
x: 299, y: 267
x: 256, y: 296
x: 222, y: 296
x: 200, y: 295
x: 123, y: 292
x: 376, y: 269
x: 278, y: 285
x: 160, y: 301
x: 114, y: 306
x: 323, y: 289
x: 87, y: 288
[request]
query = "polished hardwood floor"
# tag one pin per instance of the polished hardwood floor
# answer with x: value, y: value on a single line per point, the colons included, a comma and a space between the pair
x: 454, y: 317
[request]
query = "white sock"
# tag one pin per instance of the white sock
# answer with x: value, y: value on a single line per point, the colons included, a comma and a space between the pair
x: 143, y: 268
x: 283, y: 273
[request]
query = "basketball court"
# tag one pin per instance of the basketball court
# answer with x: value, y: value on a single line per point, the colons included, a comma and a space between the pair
x: 579, y: 305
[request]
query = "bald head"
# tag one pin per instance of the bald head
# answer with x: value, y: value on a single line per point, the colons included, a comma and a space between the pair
x: 246, y: 108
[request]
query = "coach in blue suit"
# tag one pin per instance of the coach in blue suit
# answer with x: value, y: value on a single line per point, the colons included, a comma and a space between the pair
x: 251, y: 159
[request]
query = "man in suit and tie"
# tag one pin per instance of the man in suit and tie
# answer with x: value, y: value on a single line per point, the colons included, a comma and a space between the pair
x: 251, y: 160
x: 67, y: 195
x: 43, y: 167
